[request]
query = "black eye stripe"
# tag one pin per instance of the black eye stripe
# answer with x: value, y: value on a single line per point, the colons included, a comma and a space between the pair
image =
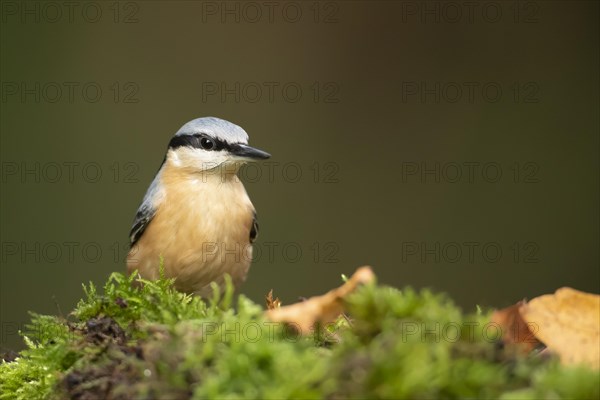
x: 194, y: 142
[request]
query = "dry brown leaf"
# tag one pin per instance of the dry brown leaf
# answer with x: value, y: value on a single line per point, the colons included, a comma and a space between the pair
x: 568, y: 323
x: 320, y: 309
x: 515, y: 331
x: 272, y: 303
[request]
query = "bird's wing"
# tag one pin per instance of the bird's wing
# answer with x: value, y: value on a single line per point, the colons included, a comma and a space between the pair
x: 254, y: 229
x: 147, y: 210
x: 142, y: 219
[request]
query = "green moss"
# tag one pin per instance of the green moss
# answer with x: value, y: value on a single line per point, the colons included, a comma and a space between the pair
x: 152, y: 342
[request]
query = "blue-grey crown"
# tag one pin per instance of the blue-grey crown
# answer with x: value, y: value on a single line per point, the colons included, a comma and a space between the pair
x: 216, y: 128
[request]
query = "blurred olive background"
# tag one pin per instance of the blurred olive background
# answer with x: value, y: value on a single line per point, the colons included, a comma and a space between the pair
x: 353, y: 99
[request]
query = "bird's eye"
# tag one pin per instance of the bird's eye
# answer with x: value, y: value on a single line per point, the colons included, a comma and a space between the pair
x: 207, y: 144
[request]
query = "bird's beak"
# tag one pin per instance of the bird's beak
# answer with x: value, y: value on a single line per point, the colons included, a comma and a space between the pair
x: 247, y: 152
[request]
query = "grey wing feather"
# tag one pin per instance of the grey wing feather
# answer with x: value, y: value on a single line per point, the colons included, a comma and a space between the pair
x: 254, y: 229
x: 140, y: 223
x: 146, y: 212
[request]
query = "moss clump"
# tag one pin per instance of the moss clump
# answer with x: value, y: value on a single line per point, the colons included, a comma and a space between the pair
x: 153, y: 342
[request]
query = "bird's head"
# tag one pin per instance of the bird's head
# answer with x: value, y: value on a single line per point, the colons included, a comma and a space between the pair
x: 211, y: 144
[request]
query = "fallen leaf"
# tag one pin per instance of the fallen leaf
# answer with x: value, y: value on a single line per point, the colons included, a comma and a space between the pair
x: 516, y: 333
x: 320, y: 309
x: 568, y: 323
x: 271, y: 302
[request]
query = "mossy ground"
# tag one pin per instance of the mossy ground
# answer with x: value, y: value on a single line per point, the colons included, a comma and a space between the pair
x: 152, y: 342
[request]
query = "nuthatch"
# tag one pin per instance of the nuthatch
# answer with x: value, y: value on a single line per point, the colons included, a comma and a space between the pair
x: 196, y: 217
